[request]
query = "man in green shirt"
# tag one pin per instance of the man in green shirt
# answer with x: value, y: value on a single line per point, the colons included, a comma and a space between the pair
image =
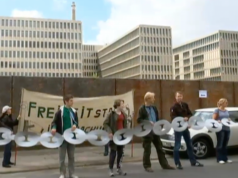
x: 66, y: 117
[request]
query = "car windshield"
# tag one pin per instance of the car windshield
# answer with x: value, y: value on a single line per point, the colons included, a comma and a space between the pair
x: 204, y: 114
x: 208, y: 115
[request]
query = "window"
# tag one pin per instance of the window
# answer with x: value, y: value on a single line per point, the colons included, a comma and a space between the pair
x: 204, y: 115
x: 234, y: 116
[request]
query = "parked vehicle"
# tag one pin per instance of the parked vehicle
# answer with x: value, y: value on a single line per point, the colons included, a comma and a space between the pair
x: 204, y: 141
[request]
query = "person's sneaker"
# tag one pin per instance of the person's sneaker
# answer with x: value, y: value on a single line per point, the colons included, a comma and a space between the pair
x: 197, y: 164
x: 179, y: 166
x: 229, y: 161
x: 111, y: 174
x: 169, y: 167
x: 73, y: 176
x: 61, y: 176
x: 120, y: 172
x: 11, y: 163
x: 221, y: 162
x: 149, y: 169
x: 6, y: 166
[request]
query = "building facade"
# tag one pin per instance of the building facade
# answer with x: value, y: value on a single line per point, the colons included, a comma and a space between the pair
x: 214, y: 57
x: 143, y: 53
x: 90, y: 60
x: 40, y: 47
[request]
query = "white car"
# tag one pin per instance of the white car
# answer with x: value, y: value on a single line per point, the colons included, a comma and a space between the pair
x: 204, y: 141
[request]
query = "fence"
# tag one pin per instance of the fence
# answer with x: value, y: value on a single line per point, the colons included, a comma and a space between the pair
x: 10, y: 90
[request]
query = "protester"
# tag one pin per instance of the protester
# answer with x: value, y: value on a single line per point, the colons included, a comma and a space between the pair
x: 66, y: 117
x: 181, y: 109
x: 149, y: 112
x: 224, y: 135
x: 114, y: 121
x: 8, y: 122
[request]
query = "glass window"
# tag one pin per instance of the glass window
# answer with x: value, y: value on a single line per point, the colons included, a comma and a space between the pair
x: 204, y: 115
x: 234, y: 116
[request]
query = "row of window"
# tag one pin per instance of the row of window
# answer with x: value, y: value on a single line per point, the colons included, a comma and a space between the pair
x: 41, y: 34
x: 40, y: 74
x: 157, y: 41
x: 159, y: 76
x: 229, y: 53
x: 159, y: 50
x: 157, y: 68
x: 40, y: 24
x: 157, y: 31
x: 229, y: 62
x: 39, y: 65
x: 90, y: 67
x: 40, y: 45
x: 39, y: 55
x: 90, y: 61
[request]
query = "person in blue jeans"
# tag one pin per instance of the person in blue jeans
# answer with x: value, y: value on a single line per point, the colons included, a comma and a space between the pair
x: 181, y: 109
x: 224, y: 135
x: 8, y: 122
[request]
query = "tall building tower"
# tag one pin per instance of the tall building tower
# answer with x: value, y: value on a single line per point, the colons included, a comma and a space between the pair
x: 73, y: 11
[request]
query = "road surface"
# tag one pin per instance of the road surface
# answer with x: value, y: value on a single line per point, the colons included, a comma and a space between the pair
x: 135, y: 170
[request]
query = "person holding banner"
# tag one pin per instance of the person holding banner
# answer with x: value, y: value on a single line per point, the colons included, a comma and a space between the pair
x: 7, y: 122
x: 115, y: 120
x: 66, y: 117
x: 149, y: 112
x: 224, y: 135
x: 181, y: 109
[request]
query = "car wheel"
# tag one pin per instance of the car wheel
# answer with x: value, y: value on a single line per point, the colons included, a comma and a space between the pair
x: 201, y: 148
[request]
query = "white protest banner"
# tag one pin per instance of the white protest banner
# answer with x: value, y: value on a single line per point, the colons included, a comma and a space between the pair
x: 39, y: 110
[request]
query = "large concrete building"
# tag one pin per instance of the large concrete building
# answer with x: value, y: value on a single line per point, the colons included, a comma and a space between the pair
x: 90, y: 60
x: 43, y: 47
x: 213, y: 57
x: 143, y: 53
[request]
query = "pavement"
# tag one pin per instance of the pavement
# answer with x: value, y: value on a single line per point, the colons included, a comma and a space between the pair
x: 135, y: 170
x: 35, y: 160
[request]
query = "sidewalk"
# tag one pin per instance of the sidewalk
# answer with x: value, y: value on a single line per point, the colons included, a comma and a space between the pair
x: 36, y: 160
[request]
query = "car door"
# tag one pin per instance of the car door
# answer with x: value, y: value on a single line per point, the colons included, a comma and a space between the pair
x: 234, y: 129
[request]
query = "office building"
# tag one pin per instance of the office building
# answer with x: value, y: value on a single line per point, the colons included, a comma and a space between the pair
x: 143, y: 53
x: 213, y: 57
x: 90, y: 60
x: 41, y: 47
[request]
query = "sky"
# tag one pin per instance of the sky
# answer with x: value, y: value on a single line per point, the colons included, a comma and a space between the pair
x: 104, y: 21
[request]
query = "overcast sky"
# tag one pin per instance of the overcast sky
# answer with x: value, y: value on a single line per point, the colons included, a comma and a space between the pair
x: 106, y: 20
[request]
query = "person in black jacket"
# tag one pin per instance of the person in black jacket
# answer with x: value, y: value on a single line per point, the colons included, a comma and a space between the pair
x: 8, y: 122
x: 149, y: 112
x: 181, y: 109
x: 66, y: 117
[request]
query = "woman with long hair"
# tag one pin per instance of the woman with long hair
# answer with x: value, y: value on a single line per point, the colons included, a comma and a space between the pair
x: 224, y: 135
x: 9, y: 123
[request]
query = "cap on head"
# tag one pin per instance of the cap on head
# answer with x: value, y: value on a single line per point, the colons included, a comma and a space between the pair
x: 5, y: 108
